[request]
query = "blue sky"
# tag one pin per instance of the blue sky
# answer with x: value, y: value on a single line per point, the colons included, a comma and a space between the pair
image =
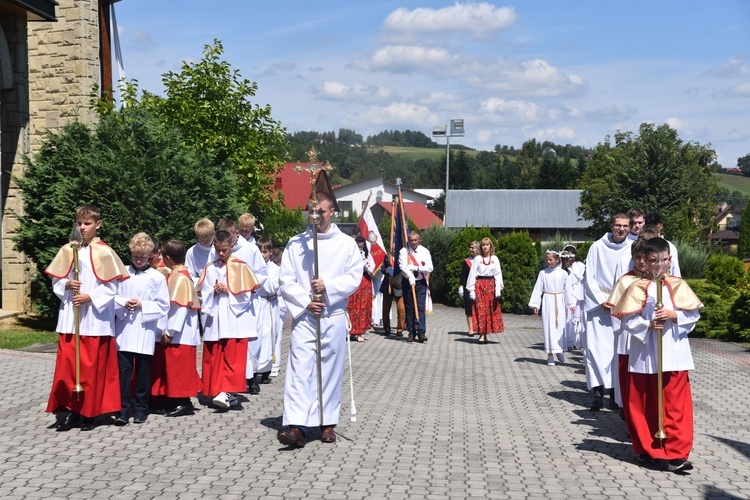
x: 566, y: 71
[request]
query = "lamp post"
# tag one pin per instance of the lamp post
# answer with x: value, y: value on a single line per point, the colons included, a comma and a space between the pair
x: 455, y: 129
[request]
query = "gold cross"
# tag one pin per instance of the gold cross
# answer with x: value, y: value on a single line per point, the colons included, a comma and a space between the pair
x: 313, y: 167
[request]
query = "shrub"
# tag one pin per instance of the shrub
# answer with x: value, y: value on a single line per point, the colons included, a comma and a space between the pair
x: 583, y: 250
x: 459, y: 250
x: 438, y: 241
x: 717, y: 302
x: 724, y: 270
x: 692, y: 258
x: 520, y: 266
x: 739, y: 316
x: 140, y: 173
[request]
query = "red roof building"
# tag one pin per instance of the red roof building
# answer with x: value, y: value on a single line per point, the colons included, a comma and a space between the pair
x: 418, y: 213
x: 294, y: 186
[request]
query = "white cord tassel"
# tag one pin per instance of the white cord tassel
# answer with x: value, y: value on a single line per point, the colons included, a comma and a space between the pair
x: 351, y: 376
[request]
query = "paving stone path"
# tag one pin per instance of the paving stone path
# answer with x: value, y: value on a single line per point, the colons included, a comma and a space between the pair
x: 447, y: 419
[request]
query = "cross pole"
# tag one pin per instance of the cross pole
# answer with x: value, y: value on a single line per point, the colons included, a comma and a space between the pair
x: 313, y: 167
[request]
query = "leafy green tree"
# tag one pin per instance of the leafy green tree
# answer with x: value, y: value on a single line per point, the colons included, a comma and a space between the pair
x: 520, y: 266
x: 655, y: 171
x: 460, y: 170
x: 529, y: 160
x: 743, y: 250
x: 744, y: 164
x: 211, y: 104
x: 142, y: 175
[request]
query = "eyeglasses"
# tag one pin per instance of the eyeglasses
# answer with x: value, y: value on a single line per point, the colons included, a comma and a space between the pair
x: 140, y: 258
x: 659, y: 261
x: 621, y: 226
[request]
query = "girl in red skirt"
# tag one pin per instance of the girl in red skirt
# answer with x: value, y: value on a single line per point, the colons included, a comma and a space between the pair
x: 359, y: 305
x: 485, y: 284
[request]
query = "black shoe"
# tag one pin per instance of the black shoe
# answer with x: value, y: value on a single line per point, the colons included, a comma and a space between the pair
x: 71, y: 420
x: 87, y: 424
x: 399, y: 334
x: 121, y: 420
x: 645, y: 459
x: 422, y: 338
x: 410, y: 338
x: 181, y: 410
x: 597, y: 404
x: 679, y: 465
x: 140, y: 418
x: 613, y: 405
x: 265, y: 378
x: 252, y: 386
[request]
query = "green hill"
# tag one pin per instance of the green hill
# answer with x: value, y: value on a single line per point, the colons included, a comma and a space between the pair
x: 734, y: 183
x: 411, y: 153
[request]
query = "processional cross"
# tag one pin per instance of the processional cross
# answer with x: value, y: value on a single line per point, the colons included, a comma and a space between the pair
x: 314, y: 218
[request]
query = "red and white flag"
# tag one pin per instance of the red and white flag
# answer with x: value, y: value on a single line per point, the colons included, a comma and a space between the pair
x: 370, y: 231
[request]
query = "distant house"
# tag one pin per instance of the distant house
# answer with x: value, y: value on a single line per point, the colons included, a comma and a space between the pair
x: 422, y: 217
x: 351, y: 197
x: 727, y: 233
x: 541, y: 212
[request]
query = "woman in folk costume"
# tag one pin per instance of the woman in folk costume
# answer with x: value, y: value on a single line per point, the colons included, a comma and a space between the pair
x: 552, y: 294
x: 462, y: 291
x: 359, y: 306
x: 485, y: 284
x: 575, y: 320
x: 174, y: 375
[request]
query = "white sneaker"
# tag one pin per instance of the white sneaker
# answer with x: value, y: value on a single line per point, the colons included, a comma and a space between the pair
x: 551, y: 361
x: 222, y: 400
x: 561, y: 357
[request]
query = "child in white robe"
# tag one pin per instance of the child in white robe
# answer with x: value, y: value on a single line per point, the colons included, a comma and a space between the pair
x: 140, y: 303
x: 552, y: 290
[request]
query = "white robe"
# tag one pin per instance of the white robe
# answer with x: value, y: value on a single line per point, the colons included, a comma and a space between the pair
x: 225, y: 316
x: 196, y: 259
x: 97, y: 318
x: 269, y: 331
x: 676, y: 355
x: 552, y: 293
x: 340, y: 267
x: 575, y: 319
x: 599, y: 343
x: 137, y: 331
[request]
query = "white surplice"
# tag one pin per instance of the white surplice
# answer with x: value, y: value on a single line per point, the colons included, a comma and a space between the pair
x: 340, y: 267
x: 599, y: 343
x: 137, y: 330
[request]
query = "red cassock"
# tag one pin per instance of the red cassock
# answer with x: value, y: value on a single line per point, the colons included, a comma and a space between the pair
x: 173, y: 371
x: 100, y: 377
x: 224, y: 364
x: 678, y: 415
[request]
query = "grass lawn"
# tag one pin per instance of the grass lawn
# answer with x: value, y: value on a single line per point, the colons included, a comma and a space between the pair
x: 25, y: 331
x: 415, y: 153
x: 734, y: 183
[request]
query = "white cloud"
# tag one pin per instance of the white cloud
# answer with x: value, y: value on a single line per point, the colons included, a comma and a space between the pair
x: 511, y: 110
x: 407, y: 59
x: 740, y: 90
x: 337, y: 91
x: 551, y: 133
x: 474, y: 19
x: 678, y: 124
x: 402, y: 113
x: 735, y: 68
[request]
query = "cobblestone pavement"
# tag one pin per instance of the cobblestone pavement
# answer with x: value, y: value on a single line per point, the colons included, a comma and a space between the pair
x: 449, y: 418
